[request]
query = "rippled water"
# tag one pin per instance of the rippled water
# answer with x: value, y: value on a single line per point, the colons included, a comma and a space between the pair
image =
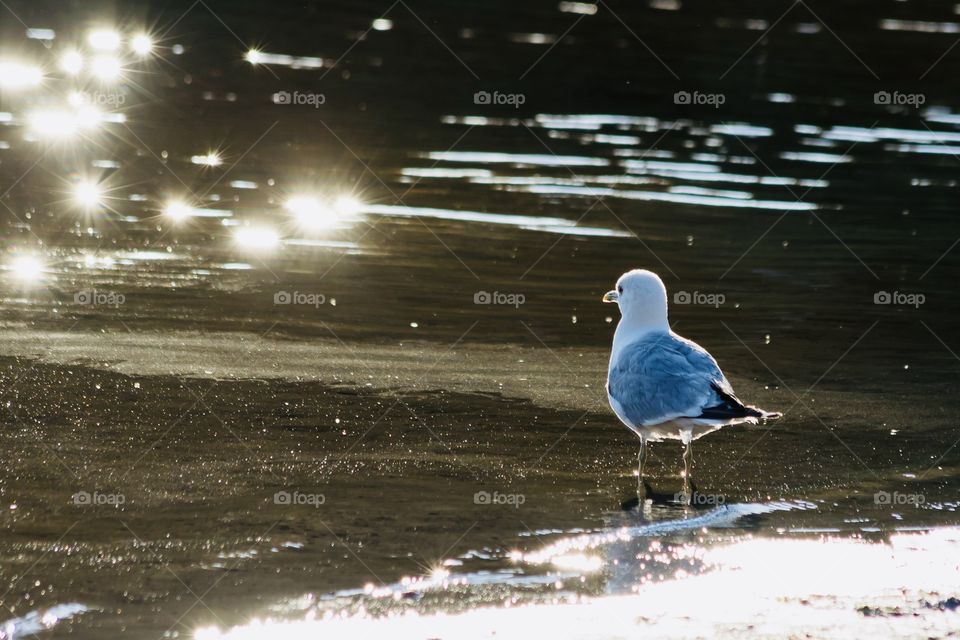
x: 300, y: 317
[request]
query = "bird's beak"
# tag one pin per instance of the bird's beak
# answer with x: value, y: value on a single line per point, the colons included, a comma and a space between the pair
x: 611, y: 296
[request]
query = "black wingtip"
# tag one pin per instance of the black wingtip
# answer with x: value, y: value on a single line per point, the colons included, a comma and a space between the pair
x: 733, y: 408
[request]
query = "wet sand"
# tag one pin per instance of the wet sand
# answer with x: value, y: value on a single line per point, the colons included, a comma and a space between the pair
x: 199, y: 458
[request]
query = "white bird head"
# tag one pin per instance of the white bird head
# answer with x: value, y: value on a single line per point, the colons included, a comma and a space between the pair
x: 642, y: 299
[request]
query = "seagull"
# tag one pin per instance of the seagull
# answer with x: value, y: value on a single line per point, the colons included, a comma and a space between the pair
x: 661, y: 385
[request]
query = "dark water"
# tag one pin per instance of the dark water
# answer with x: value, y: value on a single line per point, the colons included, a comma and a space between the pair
x: 227, y: 401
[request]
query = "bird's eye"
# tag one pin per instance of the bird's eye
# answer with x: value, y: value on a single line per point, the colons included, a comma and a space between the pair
x: 620, y: 289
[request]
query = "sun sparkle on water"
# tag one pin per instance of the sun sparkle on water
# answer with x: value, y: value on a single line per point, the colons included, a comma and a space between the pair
x: 87, y: 194
x: 258, y: 238
x: 141, y: 44
x: 210, y: 159
x: 311, y: 212
x: 104, y: 39
x: 18, y: 75
x: 27, y: 269
x: 178, y: 210
x: 71, y: 62
x: 106, y: 67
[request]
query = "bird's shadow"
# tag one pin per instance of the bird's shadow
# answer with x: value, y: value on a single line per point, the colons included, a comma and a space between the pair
x: 675, y: 499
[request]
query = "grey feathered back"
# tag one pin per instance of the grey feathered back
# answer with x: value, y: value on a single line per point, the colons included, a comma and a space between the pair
x: 664, y: 376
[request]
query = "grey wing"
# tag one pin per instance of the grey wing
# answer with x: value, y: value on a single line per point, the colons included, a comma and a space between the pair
x: 663, y: 377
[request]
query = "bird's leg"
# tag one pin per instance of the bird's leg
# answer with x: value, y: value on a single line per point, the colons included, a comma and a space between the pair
x: 641, y: 460
x: 687, y: 466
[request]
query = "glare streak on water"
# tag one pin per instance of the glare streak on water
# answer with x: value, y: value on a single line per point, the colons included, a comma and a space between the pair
x: 532, y: 38
x: 719, y: 193
x: 818, y: 142
x: 933, y: 149
x: 714, y: 157
x: 939, y: 114
x: 595, y: 232
x: 679, y: 198
x: 284, y: 60
x: 783, y: 98
x: 606, y: 138
x: 536, y: 159
x: 737, y: 178
x: 149, y: 255
x: 480, y: 121
x: 441, y: 172
x: 742, y: 130
x: 326, y: 244
x: 806, y: 156
x: 691, y: 167
x: 40, y: 620
x: 663, y: 154
x: 579, y: 180
x: 538, y: 223
x: 807, y: 129
x: 863, y: 134
x: 41, y: 34
x: 592, y: 121
x: 211, y: 213
x: 582, y: 8
x: 920, y: 26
